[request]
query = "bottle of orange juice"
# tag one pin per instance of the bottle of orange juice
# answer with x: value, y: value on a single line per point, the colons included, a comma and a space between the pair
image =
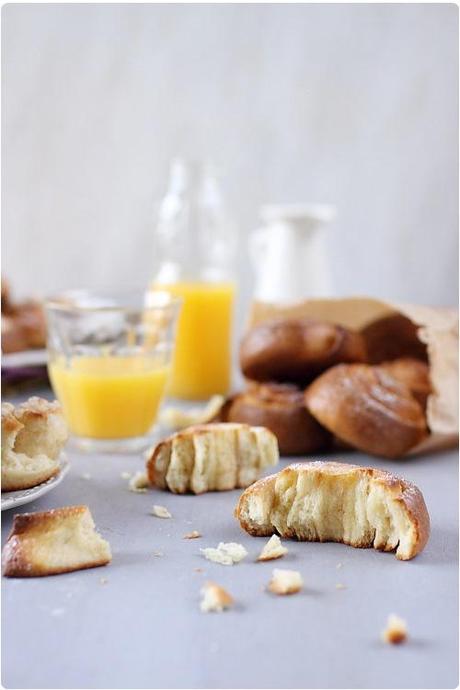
x: 194, y: 249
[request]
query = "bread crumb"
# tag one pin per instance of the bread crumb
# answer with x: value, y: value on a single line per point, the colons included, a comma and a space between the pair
x: 339, y: 565
x: 198, y: 570
x: 273, y: 549
x: 215, y: 598
x: 158, y: 554
x: 125, y: 475
x: 339, y: 585
x: 396, y: 630
x: 103, y: 580
x: 139, y: 483
x: 86, y: 475
x: 226, y: 553
x: 161, y: 512
x: 285, y: 582
x: 192, y: 535
x: 176, y: 418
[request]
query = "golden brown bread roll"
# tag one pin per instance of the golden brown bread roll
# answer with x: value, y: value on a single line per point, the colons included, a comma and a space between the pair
x: 392, y: 337
x: 414, y: 373
x: 280, y: 408
x: 23, y: 327
x: 5, y: 296
x: 14, y: 338
x: 297, y: 350
x: 332, y: 501
x: 367, y: 408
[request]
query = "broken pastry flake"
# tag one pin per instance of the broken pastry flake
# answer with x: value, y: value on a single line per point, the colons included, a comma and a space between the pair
x: 226, y: 553
x: 138, y: 483
x: 161, y: 512
x: 396, y: 630
x: 215, y: 598
x: 175, y: 418
x: 273, y: 549
x: 285, y: 582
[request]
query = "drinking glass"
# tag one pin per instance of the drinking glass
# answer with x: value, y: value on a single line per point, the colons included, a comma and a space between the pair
x: 109, y: 363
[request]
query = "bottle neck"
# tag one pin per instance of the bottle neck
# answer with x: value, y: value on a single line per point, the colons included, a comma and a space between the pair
x: 194, y: 240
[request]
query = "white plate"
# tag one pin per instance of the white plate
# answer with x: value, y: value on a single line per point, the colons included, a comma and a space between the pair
x: 28, y: 358
x: 13, y: 499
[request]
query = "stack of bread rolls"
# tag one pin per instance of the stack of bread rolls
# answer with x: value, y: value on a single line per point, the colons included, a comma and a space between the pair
x: 23, y: 323
x: 315, y: 383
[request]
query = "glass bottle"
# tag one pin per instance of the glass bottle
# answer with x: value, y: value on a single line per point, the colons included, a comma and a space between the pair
x: 194, y: 249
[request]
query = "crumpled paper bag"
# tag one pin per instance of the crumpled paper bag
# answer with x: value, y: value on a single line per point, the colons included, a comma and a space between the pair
x: 435, y: 328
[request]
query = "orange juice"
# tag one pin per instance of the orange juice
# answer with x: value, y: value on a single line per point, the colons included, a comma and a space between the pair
x: 202, y: 353
x: 109, y: 397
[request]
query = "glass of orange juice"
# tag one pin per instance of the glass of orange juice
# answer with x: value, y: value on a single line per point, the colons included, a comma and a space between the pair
x: 109, y: 364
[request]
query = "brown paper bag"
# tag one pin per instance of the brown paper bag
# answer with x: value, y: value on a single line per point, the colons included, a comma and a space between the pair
x: 435, y: 329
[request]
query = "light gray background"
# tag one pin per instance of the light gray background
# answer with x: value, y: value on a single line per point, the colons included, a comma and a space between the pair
x: 350, y: 104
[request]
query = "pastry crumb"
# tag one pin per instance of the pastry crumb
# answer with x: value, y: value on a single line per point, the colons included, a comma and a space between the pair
x: 139, y: 483
x: 215, y: 598
x: 197, y: 570
x: 226, y: 553
x: 103, y: 580
x: 126, y: 475
x: 285, y: 582
x: 273, y: 549
x: 158, y: 554
x: 396, y: 630
x: 161, y: 512
x: 339, y: 565
x: 339, y: 585
x: 194, y: 534
x: 86, y: 475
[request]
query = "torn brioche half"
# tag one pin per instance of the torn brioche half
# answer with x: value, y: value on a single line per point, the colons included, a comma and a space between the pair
x: 212, y: 457
x: 33, y: 436
x: 332, y: 501
x: 54, y: 542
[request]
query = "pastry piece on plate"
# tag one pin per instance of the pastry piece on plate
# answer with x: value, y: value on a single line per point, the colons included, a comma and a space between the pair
x: 332, y: 501
x: 297, y: 350
x: 280, y: 408
x: 368, y: 408
x: 54, y: 542
x: 212, y: 457
x: 33, y: 436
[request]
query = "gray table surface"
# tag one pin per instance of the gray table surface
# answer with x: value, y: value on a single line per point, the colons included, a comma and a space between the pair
x: 143, y: 628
